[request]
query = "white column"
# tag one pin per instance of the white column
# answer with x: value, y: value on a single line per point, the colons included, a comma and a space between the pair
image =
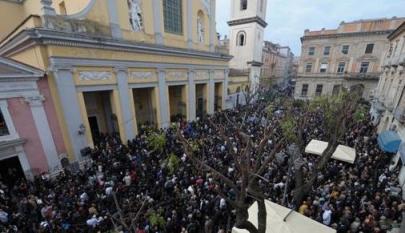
x: 114, y: 21
x: 225, y: 89
x: 190, y: 24
x: 157, y: 21
x: 44, y: 131
x: 213, y: 31
x: 211, y: 93
x: 22, y: 157
x: 71, y: 109
x: 191, y: 96
x: 163, y: 100
x: 123, y: 90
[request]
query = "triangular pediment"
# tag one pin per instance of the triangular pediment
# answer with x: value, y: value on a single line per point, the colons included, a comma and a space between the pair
x: 13, y: 69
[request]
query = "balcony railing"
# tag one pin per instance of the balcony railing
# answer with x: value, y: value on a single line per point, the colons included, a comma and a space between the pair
x: 63, y: 24
x: 400, y: 115
x: 348, y: 76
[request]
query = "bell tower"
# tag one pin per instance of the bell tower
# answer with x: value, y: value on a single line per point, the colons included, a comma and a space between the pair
x: 247, y: 26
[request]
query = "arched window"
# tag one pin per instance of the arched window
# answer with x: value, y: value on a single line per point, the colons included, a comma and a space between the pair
x: 200, y: 27
x: 241, y: 38
x: 243, y: 5
x: 172, y: 14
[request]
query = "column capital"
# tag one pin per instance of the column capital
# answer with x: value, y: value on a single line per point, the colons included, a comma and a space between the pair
x: 118, y: 69
x: 160, y: 70
x: 35, y: 101
x: 191, y: 71
x: 56, y: 68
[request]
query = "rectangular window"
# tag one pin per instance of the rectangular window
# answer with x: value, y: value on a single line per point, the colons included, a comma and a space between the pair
x: 3, y: 126
x: 243, y: 5
x: 369, y: 48
x: 364, y: 67
x: 308, y: 68
x: 304, y: 90
x: 326, y: 51
x: 318, y: 91
x: 311, y: 51
x: 323, y: 68
x: 345, y: 49
x: 336, y: 90
x: 172, y: 13
x: 341, y: 67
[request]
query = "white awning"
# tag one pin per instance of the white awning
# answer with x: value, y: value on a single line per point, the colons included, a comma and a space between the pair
x: 345, y: 154
x: 316, y: 147
x: 293, y: 223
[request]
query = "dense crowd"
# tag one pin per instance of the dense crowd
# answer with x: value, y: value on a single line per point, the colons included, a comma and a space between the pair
x: 162, y: 191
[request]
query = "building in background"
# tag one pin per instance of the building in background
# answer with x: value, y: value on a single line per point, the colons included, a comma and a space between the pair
x: 343, y: 57
x: 388, y: 106
x: 247, y: 26
x: 30, y: 137
x: 115, y: 65
x: 277, y: 64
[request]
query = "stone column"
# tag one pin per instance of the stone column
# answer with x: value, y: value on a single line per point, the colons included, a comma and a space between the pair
x: 163, y: 100
x: 191, y: 115
x: 225, y: 90
x: 44, y: 131
x: 157, y: 21
x: 190, y: 23
x: 114, y: 21
x: 123, y: 90
x: 211, y: 92
x: 71, y: 109
x: 213, y: 31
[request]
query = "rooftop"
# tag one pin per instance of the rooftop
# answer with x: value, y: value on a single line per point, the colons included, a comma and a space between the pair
x: 359, y: 26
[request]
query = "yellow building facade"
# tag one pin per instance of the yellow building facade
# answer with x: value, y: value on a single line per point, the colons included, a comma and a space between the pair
x: 115, y: 65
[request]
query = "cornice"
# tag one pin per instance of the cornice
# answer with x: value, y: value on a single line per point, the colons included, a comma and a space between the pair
x: 339, y: 35
x: 397, y: 32
x: 255, y: 19
x: 50, y: 37
x: 255, y: 63
x: 15, y: 1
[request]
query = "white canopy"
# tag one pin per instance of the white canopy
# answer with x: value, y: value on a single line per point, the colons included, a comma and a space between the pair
x: 294, y: 223
x: 342, y: 153
x: 345, y: 154
x: 316, y: 147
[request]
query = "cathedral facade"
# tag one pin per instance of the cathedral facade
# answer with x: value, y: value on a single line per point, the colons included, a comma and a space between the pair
x: 112, y: 66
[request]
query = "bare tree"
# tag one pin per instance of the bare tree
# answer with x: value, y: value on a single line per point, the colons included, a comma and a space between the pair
x: 248, y: 170
x: 338, y: 116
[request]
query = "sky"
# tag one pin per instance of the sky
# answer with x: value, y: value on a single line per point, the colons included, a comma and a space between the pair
x: 288, y: 19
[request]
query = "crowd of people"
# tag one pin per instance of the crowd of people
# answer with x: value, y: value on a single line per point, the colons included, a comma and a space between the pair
x: 137, y: 188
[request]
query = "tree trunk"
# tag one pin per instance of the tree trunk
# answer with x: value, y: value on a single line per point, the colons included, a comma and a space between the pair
x: 302, y: 189
x: 262, y: 216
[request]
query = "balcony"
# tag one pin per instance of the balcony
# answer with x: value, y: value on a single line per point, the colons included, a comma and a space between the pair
x: 87, y: 27
x: 400, y: 115
x: 346, y: 76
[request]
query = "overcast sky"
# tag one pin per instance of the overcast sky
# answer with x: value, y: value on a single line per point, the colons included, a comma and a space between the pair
x: 287, y: 19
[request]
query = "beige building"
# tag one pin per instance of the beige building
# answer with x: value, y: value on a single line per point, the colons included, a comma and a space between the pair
x: 343, y: 57
x: 112, y: 66
x: 388, y: 107
x: 277, y: 63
